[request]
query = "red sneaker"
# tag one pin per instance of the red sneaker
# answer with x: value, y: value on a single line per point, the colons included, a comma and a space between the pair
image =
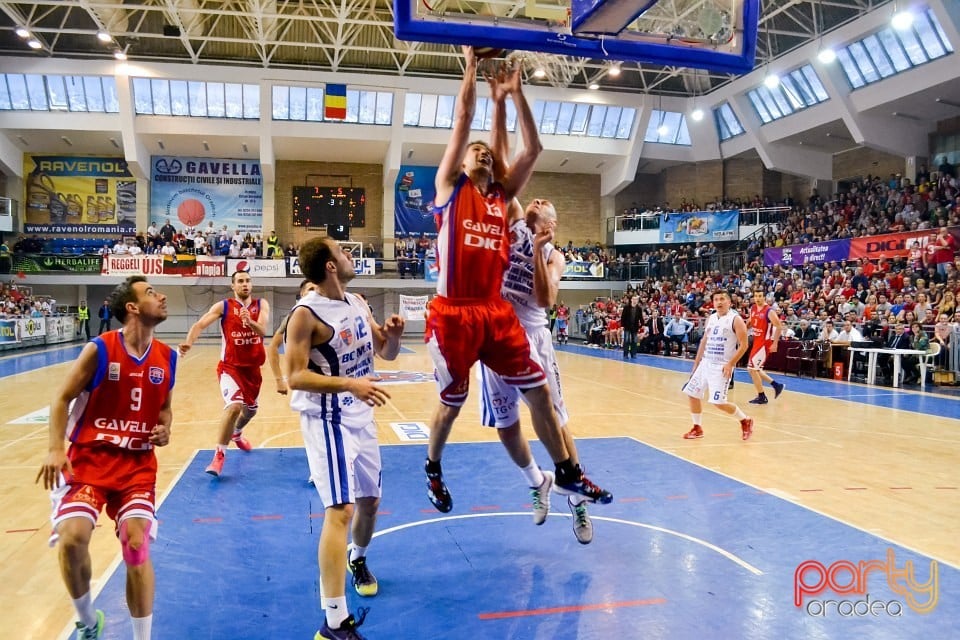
x: 746, y: 425
x: 694, y: 433
x: 242, y: 443
x: 216, y: 467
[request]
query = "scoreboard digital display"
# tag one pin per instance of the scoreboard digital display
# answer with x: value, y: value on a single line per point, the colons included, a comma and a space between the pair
x: 318, y: 207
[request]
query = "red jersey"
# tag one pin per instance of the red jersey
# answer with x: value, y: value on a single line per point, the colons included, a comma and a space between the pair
x: 760, y: 326
x: 121, y: 405
x: 473, y: 244
x: 240, y: 346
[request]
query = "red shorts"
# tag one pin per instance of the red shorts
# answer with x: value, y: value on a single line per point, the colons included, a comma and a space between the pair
x: 124, y: 483
x: 460, y: 333
x: 239, y: 384
x: 758, y: 354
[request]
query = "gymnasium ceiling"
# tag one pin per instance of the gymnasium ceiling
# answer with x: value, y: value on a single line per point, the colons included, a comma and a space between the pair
x: 357, y: 35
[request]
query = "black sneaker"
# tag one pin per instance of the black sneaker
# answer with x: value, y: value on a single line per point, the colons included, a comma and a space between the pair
x: 584, y: 487
x: 760, y: 399
x: 364, y: 583
x: 347, y: 629
x: 777, y: 389
x: 437, y: 492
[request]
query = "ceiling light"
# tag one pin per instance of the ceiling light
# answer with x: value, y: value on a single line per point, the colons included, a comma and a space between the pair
x: 34, y: 44
x: 697, y: 115
x: 23, y: 141
x: 827, y: 56
x: 772, y: 81
x: 949, y: 103
x: 902, y: 20
x: 119, y: 55
x: 103, y: 36
x: 114, y: 142
x: 614, y: 71
x: 161, y: 145
x: 662, y: 130
x: 564, y: 161
x: 206, y: 147
x: 593, y: 86
x: 23, y: 32
x: 539, y: 73
x: 67, y: 141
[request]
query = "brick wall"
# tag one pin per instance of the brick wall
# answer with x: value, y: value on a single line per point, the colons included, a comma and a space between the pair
x: 743, y: 177
x: 862, y: 161
x: 798, y: 187
x: 577, y: 199
x: 698, y: 182
x: 328, y: 174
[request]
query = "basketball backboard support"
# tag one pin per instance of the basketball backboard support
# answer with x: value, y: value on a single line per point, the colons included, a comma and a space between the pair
x: 716, y: 35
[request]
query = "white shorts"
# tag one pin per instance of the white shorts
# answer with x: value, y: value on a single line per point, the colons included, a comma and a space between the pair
x: 499, y: 402
x: 344, y: 461
x: 708, y: 378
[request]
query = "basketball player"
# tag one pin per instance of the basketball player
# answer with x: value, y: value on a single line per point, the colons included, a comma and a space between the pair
x: 121, y: 387
x: 468, y: 319
x: 765, y: 327
x: 724, y: 343
x: 273, y: 349
x: 331, y: 339
x: 531, y: 285
x: 243, y: 324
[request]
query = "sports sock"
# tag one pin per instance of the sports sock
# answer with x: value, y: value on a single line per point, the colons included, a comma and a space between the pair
x: 566, y: 473
x: 141, y: 627
x: 739, y: 414
x: 222, y: 447
x: 433, y: 466
x: 357, y: 552
x: 533, y: 474
x: 336, y: 611
x: 576, y: 499
x: 85, y: 611
x: 697, y: 418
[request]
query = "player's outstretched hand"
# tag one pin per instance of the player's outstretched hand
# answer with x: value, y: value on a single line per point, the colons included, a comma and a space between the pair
x: 366, y: 389
x: 50, y: 471
x: 394, y: 326
x: 160, y: 436
x: 182, y: 348
x: 469, y: 56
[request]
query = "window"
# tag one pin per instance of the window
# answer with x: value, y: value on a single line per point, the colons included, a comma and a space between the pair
x: 306, y: 104
x: 667, y: 127
x: 58, y: 93
x: 889, y: 51
x: 799, y: 89
x: 728, y: 125
x: 162, y: 97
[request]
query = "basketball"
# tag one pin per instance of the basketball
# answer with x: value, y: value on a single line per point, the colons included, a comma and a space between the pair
x: 486, y: 53
x: 191, y: 212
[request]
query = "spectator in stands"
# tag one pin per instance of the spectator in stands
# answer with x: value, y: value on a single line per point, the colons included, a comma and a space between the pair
x: 676, y: 332
x: 167, y: 232
x: 104, y: 314
x: 828, y: 333
x: 805, y: 331
x: 654, y: 339
x: 274, y: 249
x: 848, y: 334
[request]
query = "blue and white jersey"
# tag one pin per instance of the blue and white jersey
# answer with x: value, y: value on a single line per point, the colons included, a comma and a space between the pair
x: 518, y: 281
x: 349, y: 353
x: 721, y: 338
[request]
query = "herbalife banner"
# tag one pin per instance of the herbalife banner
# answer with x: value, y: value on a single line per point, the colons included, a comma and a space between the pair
x: 191, y: 192
x: 78, y: 195
x: 34, y: 263
x: 701, y: 226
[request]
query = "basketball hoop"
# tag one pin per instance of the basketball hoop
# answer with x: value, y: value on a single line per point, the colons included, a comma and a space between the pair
x: 545, y: 67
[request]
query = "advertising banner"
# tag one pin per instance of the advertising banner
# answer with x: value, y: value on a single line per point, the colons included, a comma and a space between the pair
x: 31, y: 327
x: 413, y: 202
x: 361, y: 266
x: 191, y: 192
x: 583, y: 269
x: 9, y: 332
x: 413, y: 307
x: 812, y: 252
x: 894, y: 245
x: 61, y: 329
x: 78, y: 195
x: 431, y: 271
x: 35, y: 262
x: 257, y: 268
x: 121, y: 265
x: 700, y: 226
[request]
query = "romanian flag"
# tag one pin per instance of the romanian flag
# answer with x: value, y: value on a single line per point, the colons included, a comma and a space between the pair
x: 335, y: 102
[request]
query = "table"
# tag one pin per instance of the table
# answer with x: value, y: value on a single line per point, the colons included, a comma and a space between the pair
x: 872, y: 352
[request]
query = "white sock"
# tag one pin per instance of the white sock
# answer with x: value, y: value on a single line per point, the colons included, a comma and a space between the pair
x: 336, y: 611
x: 532, y: 474
x: 141, y: 627
x: 85, y: 611
x: 222, y: 447
x: 739, y: 414
x: 697, y: 418
x: 237, y: 433
x: 576, y: 499
x: 357, y: 552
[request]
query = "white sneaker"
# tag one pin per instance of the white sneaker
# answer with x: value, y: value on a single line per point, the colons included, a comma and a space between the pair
x: 582, y: 525
x: 541, y: 498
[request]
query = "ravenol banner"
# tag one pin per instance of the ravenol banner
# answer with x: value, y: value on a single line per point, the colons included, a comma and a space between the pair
x: 78, y: 195
x: 700, y: 226
x: 413, y: 202
x: 191, y: 192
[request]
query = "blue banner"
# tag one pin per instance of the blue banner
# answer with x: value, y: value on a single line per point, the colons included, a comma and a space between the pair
x: 9, y: 332
x: 413, y: 202
x: 700, y: 226
x: 191, y: 192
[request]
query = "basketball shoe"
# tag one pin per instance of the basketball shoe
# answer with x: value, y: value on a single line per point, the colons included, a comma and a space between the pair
x: 347, y: 629
x: 216, y: 466
x: 91, y: 633
x: 760, y: 399
x: 694, y: 433
x: 437, y: 491
x: 242, y: 443
x: 541, y: 498
x: 364, y: 583
x: 746, y: 426
x: 580, y: 484
x: 777, y: 388
x: 582, y: 525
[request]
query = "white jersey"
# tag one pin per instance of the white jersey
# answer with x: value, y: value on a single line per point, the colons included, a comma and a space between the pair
x: 518, y: 280
x: 721, y: 339
x: 349, y: 354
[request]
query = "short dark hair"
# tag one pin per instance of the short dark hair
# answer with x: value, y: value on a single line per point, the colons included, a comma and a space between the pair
x: 303, y: 283
x: 233, y: 276
x: 122, y: 294
x: 314, y: 255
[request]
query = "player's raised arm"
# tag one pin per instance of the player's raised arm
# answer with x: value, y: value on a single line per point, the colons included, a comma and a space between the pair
x: 212, y: 315
x: 522, y: 168
x: 449, y: 170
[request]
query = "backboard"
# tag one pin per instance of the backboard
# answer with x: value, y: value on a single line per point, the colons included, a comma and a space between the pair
x: 716, y: 35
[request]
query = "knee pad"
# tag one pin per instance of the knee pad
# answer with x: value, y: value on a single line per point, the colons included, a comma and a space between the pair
x: 134, y: 557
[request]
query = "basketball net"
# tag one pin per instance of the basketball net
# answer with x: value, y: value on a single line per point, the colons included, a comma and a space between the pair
x: 558, y: 71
